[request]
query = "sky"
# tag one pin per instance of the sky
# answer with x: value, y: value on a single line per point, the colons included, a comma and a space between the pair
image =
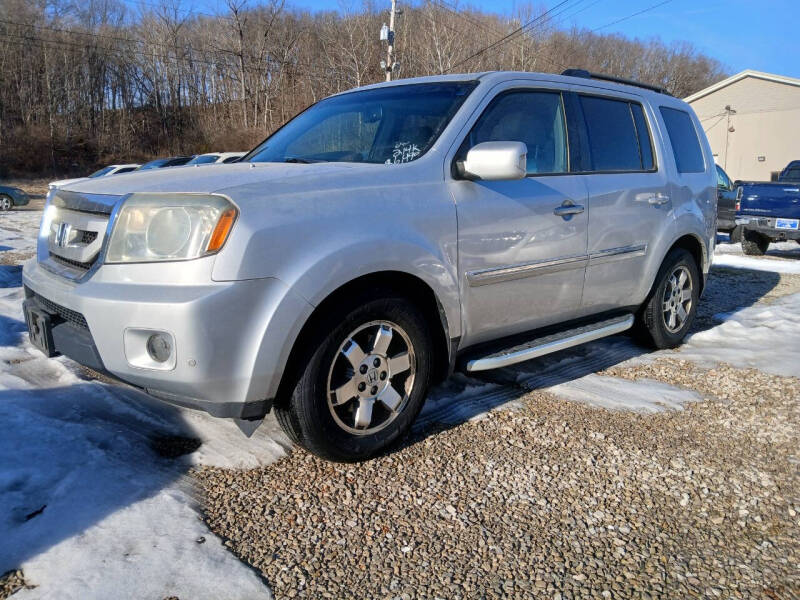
x: 741, y: 34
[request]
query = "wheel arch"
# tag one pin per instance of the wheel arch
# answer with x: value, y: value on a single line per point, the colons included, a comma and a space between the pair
x: 398, y: 282
x: 693, y: 246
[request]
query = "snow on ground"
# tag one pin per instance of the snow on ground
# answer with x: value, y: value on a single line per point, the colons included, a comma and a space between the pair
x: 88, y: 509
x: 614, y: 393
x: 757, y: 264
x: 763, y: 336
x: 18, y: 230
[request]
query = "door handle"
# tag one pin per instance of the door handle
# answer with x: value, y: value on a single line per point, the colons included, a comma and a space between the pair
x: 658, y: 199
x: 567, y: 209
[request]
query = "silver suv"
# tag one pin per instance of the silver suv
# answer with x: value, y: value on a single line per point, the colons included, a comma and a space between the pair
x: 377, y: 241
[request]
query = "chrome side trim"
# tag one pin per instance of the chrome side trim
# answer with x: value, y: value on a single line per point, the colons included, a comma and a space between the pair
x: 614, y: 254
x: 551, y: 344
x: 531, y: 269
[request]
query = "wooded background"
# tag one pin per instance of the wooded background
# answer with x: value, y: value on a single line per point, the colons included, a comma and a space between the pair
x: 89, y: 83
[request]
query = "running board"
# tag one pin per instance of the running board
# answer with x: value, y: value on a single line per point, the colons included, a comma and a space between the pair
x: 551, y: 343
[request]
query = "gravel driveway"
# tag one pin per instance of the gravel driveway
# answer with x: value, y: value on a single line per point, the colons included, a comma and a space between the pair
x: 548, y: 497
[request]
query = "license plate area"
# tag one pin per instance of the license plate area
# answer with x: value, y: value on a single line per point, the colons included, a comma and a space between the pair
x: 787, y: 224
x: 40, y: 328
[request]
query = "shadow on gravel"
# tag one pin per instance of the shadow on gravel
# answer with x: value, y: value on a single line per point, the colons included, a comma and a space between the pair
x: 70, y: 457
x: 730, y: 289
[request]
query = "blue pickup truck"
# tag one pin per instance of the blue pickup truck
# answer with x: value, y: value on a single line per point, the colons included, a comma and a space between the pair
x: 769, y: 211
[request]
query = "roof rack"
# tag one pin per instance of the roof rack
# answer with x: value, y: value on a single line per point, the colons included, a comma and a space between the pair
x: 588, y: 75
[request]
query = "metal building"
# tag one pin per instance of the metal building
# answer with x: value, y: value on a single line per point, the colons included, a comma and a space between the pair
x: 753, y: 123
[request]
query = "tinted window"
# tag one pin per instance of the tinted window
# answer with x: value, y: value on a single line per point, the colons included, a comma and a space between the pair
x: 683, y: 138
x: 394, y: 124
x: 791, y: 174
x: 153, y: 164
x: 535, y: 118
x: 231, y: 159
x: 125, y: 170
x: 613, y: 141
x: 643, y: 133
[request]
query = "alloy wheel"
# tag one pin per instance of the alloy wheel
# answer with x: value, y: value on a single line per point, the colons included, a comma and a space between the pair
x: 677, y: 301
x: 371, y: 377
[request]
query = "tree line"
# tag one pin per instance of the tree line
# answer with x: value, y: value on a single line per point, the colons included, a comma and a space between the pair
x: 101, y: 81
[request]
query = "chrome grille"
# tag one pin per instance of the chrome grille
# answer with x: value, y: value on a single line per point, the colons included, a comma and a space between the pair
x: 75, y: 232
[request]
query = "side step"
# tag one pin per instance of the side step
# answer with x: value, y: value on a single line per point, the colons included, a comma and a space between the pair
x: 551, y: 343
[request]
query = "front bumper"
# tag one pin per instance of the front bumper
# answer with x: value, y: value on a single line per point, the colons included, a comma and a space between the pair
x: 230, y: 337
x: 766, y: 226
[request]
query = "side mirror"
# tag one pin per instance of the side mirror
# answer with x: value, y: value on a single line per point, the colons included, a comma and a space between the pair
x: 496, y: 161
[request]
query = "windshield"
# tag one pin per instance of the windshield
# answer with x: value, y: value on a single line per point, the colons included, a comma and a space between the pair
x: 153, y: 164
x: 203, y: 159
x: 101, y: 172
x: 389, y: 125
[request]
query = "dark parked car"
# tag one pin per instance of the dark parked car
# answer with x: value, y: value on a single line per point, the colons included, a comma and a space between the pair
x: 11, y: 197
x: 727, y: 197
x: 160, y: 163
x: 770, y: 211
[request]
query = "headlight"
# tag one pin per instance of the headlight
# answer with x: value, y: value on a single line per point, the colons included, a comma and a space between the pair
x: 162, y: 227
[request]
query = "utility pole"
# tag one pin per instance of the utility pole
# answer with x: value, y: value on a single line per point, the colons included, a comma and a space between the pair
x: 728, y: 130
x: 387, y: 34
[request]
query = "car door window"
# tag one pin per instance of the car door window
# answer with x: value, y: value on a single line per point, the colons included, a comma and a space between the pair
x: 683, y: 138
x: 617, y: 134
x: 534, y: 118
x: 722, y: 180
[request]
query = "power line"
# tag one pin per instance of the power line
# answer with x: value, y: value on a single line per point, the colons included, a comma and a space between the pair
x: 636, y: 14
x: 519, y: 31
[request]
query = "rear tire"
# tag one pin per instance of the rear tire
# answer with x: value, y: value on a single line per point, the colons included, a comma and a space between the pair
x: 754, y: 243
x: 362, y: 379
x: 5, y: 203
x: 669, y: 311
x: 736, y: 234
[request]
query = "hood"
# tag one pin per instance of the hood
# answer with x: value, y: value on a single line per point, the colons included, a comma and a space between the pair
x: 62, y: 182
x: 206, y: 179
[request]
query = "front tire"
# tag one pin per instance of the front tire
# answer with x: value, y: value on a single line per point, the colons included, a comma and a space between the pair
x: 754, y: 243
x: 362, y: 380
x: 668, y: 313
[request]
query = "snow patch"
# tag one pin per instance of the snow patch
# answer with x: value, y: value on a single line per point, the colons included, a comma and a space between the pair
x: 643, y: 395
x: 89, y: 510
x: 757, y: 264
x: 763, y: 336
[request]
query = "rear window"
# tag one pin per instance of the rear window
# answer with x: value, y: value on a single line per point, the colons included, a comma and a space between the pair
x: 617, y: 132
x: 683, y: 138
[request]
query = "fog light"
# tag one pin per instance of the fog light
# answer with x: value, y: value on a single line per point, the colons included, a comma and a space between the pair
x: 159, y: 347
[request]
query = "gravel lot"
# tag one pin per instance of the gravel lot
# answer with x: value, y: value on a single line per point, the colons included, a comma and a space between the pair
x: 549, y: 498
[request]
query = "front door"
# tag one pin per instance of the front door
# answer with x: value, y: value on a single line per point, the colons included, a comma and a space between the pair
x: 521, y: 243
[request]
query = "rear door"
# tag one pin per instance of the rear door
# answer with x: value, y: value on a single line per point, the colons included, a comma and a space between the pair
x: 629, y: 204
x: 521, y: 264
